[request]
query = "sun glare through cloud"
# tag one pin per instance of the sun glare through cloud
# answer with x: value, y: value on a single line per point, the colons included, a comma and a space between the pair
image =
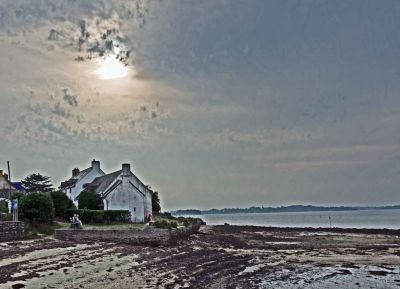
x: 111, y: 68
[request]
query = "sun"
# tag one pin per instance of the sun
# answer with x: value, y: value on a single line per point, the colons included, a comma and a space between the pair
x: 111, y: 68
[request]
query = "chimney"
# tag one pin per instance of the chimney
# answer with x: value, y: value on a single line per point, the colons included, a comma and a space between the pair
x: 96, y: 165
x: 126, y: 169
x: 75, y: 172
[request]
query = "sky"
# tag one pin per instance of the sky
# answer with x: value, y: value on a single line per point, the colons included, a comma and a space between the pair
x: 215, y: 103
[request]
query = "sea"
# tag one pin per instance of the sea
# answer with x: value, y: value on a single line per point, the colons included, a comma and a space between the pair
x: 368, y: 219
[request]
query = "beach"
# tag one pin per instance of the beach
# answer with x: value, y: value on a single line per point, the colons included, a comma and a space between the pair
x: 216, y: 257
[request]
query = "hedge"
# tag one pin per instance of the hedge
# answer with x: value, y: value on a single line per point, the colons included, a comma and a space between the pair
x: 100, y: 217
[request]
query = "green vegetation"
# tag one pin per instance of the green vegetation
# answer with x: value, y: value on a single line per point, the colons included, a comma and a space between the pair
x: 61, y: 203
x: 89, y: 200
x: 3, y: 207
x: 100, y: 217
x: 37, y: 208
x: 37, y: 183
x: 167, y: 221
x: 165, y: 224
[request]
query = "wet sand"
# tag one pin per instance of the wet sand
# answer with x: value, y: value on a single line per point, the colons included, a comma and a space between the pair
x: 217, y: 257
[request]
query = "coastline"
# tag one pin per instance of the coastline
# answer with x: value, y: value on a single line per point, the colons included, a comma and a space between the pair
x: 216, y: 257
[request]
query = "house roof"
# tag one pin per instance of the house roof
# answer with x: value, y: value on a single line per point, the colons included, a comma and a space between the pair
x: 18, y: 186
x: 72, y: 181
x: 100, y: 184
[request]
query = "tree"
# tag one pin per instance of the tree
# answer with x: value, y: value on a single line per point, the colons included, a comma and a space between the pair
x: 156, y: 203
x: 61, y: 203
x: 37, y: 183
x: 37, y: 207
x: 90, y: 200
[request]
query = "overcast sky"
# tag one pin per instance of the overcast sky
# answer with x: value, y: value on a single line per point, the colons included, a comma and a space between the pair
x: 225, y: 103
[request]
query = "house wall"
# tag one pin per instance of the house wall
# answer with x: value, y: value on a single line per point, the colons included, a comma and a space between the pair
x: 130, y: 195
x: 74, y: 192
x: 127, y: 198
x: 4, y: 184
x: 5, y: 191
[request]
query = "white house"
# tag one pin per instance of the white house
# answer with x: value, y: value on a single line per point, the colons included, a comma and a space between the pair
x: 75, y: 185
x: 6, y: 188
x: 122, y: 190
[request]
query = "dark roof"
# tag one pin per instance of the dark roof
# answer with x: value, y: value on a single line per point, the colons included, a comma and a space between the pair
x: 72, y: 181
x: 99, y: 184
x: 18, y: 186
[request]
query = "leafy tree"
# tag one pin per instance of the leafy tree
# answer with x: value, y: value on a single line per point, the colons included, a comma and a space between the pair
x: 3, y: 206
x: 18, y: 195
x: 90, y: 200
x: 37, y: 183
x: 37, y: 207
x: 156, y: 203
x: 61, y: 203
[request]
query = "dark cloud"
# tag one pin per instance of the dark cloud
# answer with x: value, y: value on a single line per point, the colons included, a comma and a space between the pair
x: 53, y: 35
x: 70, y: 98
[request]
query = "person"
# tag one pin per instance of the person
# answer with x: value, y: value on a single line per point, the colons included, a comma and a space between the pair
x: 149, y: 219
x: 76, y: 222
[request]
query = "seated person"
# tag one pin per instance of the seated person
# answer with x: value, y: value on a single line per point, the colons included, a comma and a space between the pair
x: 75, y: 222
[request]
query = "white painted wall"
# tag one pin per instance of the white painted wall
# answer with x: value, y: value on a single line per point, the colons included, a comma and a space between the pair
x: 130, y: 195
x: 74, y: 192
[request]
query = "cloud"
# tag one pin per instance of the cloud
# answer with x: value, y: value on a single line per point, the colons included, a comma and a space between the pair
x: 69, y: 98
x: 269, y: 97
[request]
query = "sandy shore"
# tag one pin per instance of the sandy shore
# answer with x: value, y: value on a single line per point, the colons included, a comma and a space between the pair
x: 217, y: 257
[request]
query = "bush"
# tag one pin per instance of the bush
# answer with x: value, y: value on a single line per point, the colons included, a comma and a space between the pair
x: 18, y: 195
x: 37, y: 208
x: 89, y: 200
x: 101, y: 217
x: 186, y: 221
x: 6, y: 217
x: 61, y: 203
x: 3, y: 207
x: 164, y: 224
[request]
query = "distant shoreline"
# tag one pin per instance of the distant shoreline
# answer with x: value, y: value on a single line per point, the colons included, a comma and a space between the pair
x: 283, y: 209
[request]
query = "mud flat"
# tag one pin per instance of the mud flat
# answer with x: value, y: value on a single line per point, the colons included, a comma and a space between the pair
x: 216, y: 257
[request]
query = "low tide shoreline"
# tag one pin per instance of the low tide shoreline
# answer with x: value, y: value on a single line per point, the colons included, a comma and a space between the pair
x: 216, y: 257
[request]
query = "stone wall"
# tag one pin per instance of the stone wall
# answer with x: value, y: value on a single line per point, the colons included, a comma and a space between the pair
x: 10, y: 231
x: 147, y: 236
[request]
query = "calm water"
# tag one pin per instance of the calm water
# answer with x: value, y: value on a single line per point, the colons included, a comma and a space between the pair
x: 389, y: 219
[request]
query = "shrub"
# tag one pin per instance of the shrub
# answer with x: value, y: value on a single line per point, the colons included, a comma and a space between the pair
x: 164, y: 224
x: 100, y: 217
x: 3, y: 206
x: 18, y: 195
x: 186, y: 221
x: 89, y: 200
x: 6, y: 217
x: 61, y: 203
x: 37, y: 208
